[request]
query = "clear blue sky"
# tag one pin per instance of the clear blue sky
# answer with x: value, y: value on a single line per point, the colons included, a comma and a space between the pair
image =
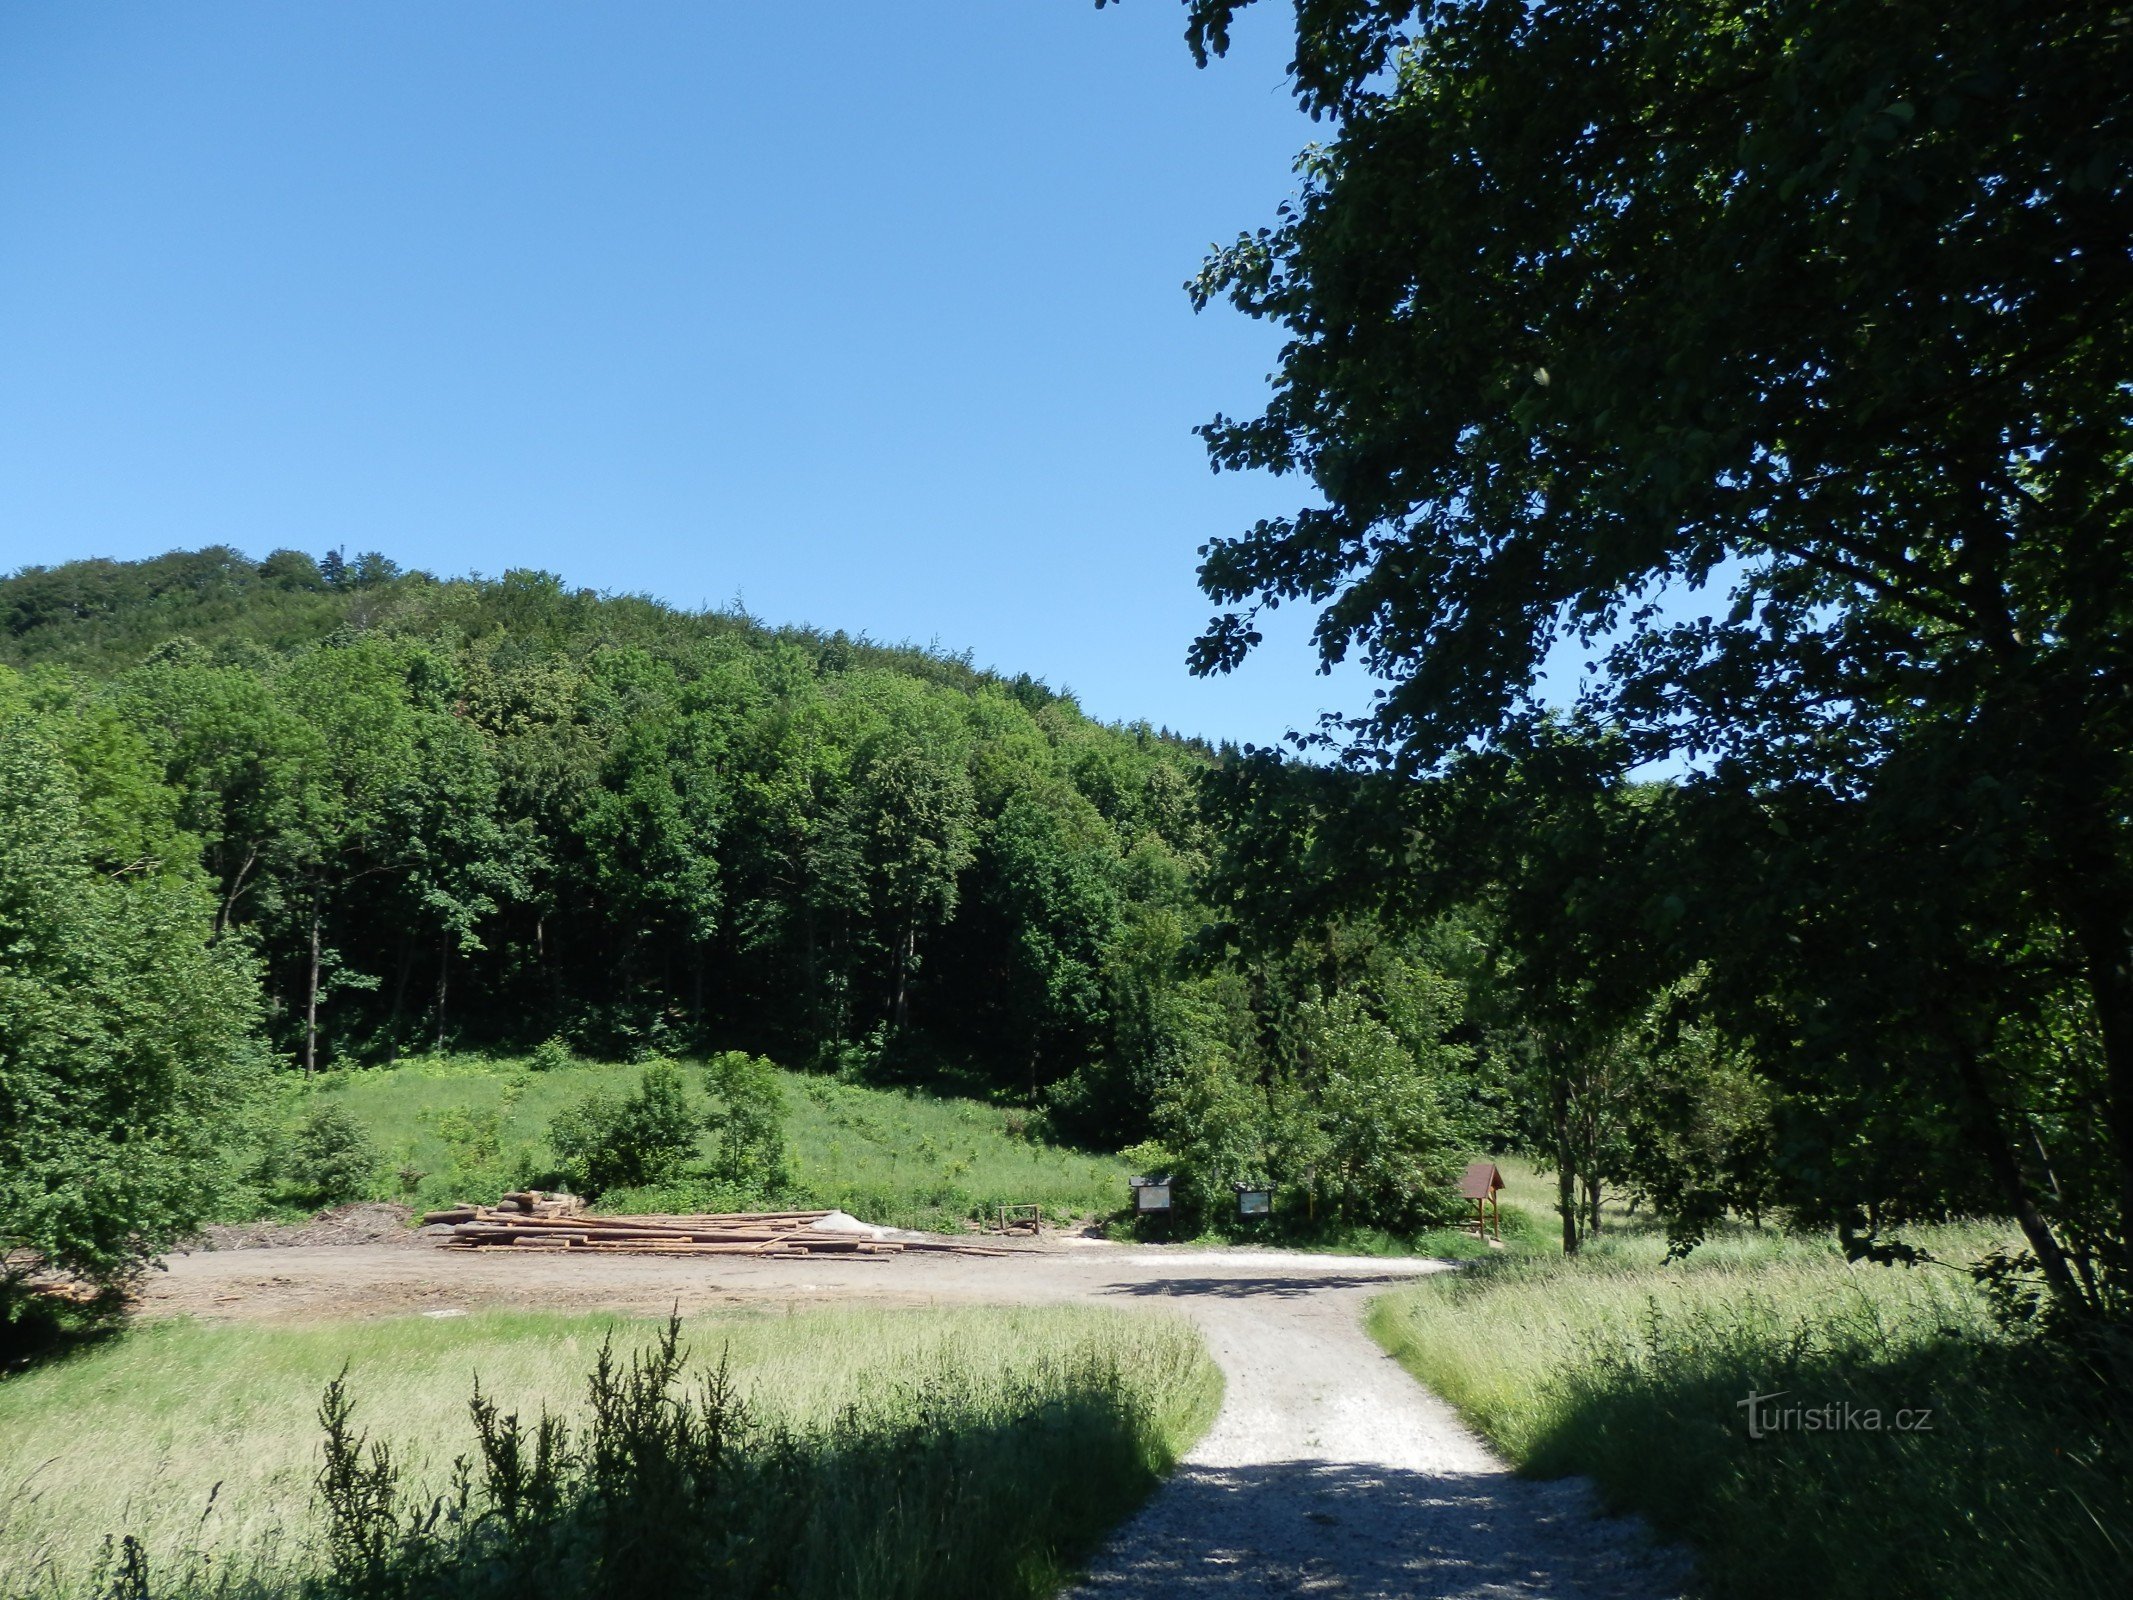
x: 869, y: 315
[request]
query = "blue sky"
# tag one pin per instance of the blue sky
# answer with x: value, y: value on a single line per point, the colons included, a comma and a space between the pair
x: 866, y: 315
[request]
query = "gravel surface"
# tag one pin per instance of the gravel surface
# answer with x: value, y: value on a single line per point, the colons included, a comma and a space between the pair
x: 1328, y: 1472
x: 364, y: 1223
x: 1331, y: 1472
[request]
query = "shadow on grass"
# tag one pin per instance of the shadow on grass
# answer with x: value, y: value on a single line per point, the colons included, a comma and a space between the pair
x: 39, y: 1330
x: 1947, y: 1469
x: 1376, y: 1533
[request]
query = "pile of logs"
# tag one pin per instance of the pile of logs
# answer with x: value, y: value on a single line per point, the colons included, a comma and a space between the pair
x: 533, y: 1221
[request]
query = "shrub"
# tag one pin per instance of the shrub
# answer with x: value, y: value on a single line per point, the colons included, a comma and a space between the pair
x: 1387, y: 1155
x: 1213, y: 1126
x: 1357, y: 1128
x: 747, y: 1122
x: 331, y: 1160
x: 552, y: 1054
x: 474, y: 1135
x: 606, y: 1142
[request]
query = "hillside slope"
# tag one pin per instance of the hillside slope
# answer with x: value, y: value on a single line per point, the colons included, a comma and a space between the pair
x: 480, y: 812
x: 467, y: 1128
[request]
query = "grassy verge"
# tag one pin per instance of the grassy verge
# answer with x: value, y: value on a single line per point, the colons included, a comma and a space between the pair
x: 465, y: 1127
x: 1014, y: 1438
x: 1913, y: 1447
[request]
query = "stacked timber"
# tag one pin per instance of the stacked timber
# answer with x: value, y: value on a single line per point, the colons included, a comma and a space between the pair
x: 776, y: 1235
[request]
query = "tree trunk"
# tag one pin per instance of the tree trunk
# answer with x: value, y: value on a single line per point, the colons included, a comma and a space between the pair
x: 229, y: 901
x: 1989, y: 1135
x: 551, y: 970
x: 1587, y: 1101
x: 1566, y: 1170
x: 311, y: 998
x: 444, y: 960
x: 906, y: 949
x: 406, y: 971
x: 2110, y: 974
x: 809, y: 970
x: 2094, y: 896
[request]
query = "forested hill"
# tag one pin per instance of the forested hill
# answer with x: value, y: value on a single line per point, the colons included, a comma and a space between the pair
x: 489, y: 811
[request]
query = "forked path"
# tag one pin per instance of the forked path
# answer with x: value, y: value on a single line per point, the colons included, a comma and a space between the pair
x: 1328, y: 1472
x: 1331, y: 1472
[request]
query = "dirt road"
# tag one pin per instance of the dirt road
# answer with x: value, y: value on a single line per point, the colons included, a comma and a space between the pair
x: 1328, y: 1472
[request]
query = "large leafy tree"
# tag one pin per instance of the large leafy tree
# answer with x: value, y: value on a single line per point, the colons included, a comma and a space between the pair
x: 124, y: 1049
x: 1824, y: 313
x: 247, y: 769
x: 913, y: 813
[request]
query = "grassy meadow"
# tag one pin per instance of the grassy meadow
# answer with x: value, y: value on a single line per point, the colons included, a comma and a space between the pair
x: 203, y: 1441
x: 465, y: 1127
x: 2014, y: 1482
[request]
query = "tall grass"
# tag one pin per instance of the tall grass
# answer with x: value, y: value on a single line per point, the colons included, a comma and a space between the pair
x: 2013, y: 1477
x: 1012, y: 1437
x: 454, y: 1128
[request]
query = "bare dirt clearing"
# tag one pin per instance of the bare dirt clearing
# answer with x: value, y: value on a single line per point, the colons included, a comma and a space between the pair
x: 367, y: 1222
x: 1329, y: 1470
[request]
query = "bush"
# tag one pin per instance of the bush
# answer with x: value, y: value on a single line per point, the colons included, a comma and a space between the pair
x: 1214, y: 1127
x: 1356, y: 1131
x: 331, y: 1160
x: 747, y: 1123
x: 1385, y: 1152
x: 606, y: 1142
x: 552, y: 1054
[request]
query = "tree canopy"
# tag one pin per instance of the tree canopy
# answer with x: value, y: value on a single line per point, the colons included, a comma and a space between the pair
x: 126, y: 1053
x: 493, y: 811
x: 1819, y: 316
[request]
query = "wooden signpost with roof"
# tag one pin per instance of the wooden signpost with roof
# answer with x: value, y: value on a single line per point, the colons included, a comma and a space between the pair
x: 1481, y: 1185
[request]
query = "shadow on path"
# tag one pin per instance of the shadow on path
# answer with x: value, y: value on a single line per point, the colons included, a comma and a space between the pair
x: 1283, y: 1288
x: 1372, y: 1533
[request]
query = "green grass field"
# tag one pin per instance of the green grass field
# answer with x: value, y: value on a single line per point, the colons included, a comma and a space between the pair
x: 463, y: 1128
x: 1618, y: 1365
x: 203, y: 1441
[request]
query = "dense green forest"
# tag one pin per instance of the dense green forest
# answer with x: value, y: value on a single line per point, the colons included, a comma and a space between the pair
x: 483, y: 813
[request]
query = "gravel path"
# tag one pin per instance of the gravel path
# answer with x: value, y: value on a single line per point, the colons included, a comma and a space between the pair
x: 1329, y: 1471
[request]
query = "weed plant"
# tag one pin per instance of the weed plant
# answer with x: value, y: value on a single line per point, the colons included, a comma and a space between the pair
x: 977, y: 1453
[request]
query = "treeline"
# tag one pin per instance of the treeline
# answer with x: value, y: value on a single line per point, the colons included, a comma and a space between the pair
x: 485, y: 813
